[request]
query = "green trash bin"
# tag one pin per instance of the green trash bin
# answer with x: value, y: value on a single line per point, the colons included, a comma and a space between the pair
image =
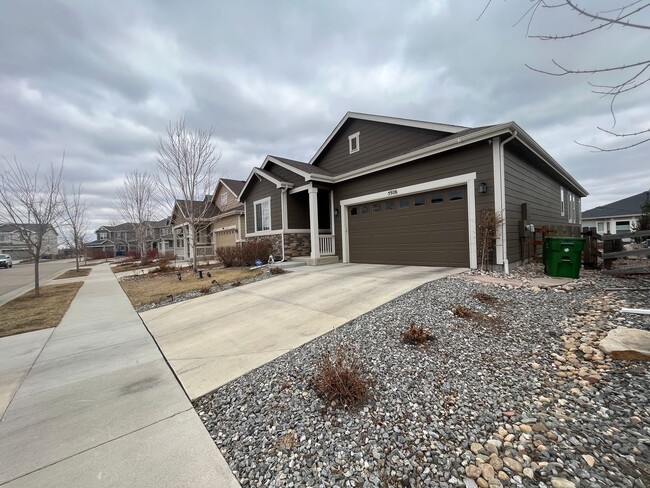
x: 562, y: 256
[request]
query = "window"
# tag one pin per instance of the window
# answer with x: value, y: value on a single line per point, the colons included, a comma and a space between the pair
x: 353, y: 142
x: 376, y: 207
x: 103, y: 236
x: 4, y: 238
x: 262, y: 215
x: 573, y: 214
x: 437, y: 197
x: 622, y: 226
x: 403, y: 203
x: 601, y: 227
x: 353, y: 211
x: 562, y: 201
x: 364, y: 210
x: 418, y: 200
x: 456, y: 195
x: 389, y: 205
x: 224, y: 198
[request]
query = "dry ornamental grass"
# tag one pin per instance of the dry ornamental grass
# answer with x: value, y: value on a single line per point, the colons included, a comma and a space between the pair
x: 28, y: 312
x: 341, y: 379
x: 156, y: 287
x: 416, y: 334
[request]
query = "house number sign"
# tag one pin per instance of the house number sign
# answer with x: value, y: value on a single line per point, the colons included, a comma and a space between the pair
x: 392, y: 192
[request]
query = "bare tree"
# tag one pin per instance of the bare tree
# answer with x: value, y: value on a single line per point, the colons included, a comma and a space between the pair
x: 75, y: 220
x: 188, y: 161
x: 634, y: 74
x: 32, y: 203
x: 136, y: 203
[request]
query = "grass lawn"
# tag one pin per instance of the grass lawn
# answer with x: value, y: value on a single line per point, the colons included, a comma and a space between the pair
x: 73, y: 273
x: 131, y: 267
x: 27, y: 312
x: 155, y: 287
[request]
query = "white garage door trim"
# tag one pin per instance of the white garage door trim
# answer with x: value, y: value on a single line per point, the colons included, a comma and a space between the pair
x: 465, y: 179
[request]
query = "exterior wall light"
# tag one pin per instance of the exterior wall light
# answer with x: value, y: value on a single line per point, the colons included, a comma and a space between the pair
x: 482, y: 188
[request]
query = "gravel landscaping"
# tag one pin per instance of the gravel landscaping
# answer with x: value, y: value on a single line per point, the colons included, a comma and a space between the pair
x: 516, y: 394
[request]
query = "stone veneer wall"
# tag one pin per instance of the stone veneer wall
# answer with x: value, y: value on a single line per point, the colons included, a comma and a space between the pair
x: 294, y: 244
x: 276, y: 240
x: 297, y: 245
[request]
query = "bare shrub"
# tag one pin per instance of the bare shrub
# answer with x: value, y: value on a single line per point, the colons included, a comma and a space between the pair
x: 341, y: 379
x: 488, y: 225
x: 229, y: 256
x: 277, y: 270
x: 205, y: 289
x: 486, y: 298
x: 416, y: 334
x: 287, y: 441
x: 256, y: 249
x: 235, y: 283
x: 466, y: 313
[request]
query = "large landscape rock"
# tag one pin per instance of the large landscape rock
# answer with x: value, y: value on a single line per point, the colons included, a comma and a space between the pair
x: 626, y: 343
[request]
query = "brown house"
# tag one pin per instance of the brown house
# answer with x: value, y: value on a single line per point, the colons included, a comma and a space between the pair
x: 396, y: 191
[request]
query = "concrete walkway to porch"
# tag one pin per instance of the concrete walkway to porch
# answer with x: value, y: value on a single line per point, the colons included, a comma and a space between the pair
x: 99, y: 406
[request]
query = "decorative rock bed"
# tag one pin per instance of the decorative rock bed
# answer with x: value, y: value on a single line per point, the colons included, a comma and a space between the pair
x: 518, y: 395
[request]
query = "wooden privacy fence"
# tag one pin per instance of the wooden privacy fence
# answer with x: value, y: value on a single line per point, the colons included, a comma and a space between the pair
x: 613, y: 249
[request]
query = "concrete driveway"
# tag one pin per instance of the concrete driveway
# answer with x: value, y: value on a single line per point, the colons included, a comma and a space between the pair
x: 212, y: 340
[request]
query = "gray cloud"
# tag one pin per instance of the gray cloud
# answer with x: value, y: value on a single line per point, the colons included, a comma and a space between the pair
x: 102, y: 80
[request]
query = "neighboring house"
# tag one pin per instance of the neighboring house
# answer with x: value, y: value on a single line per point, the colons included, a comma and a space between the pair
x: 11, y: 242
x: 618, y: 217
x: 182, y: 237
x: 162, y: 237
x: 118, y: 240
x: 222, y: 226
x: 228, y: 225
x: 396, y: 191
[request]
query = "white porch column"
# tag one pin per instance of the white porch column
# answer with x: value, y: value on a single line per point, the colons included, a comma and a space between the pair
x: 313, y: 222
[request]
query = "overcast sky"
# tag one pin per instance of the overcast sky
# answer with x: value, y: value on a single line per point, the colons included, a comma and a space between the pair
x: 101, y: 80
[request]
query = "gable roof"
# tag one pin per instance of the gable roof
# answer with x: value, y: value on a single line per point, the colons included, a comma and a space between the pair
x: 235, y: 186
x: 626, y: 206
x: 30, y: 227
x: 262, y: 173
x: 305, y: 170
x: 420, y: 124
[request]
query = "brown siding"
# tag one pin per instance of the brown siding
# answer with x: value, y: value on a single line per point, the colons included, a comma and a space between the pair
x: 225, y: 222
x: 377, y: 142
x: 476, y: 158
x: 259, y: 190
x: 285, y: 175
x: 232, y: 202
x: 298, y: 210
x: 526, y: 183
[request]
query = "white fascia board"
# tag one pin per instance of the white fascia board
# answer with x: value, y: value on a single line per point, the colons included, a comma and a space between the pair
x: 284, y: 165
x: 266, y: 176
x: 538, y: 150
x: 390, y: 120
x: 424, y: 152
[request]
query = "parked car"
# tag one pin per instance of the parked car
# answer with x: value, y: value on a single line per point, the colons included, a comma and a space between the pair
x: 5, y: 261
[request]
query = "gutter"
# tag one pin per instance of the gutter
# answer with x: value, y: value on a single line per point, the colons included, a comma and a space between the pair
x: 502, y: 202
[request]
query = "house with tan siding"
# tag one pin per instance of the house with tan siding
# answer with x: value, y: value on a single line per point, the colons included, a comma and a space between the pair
x: 389, y: 190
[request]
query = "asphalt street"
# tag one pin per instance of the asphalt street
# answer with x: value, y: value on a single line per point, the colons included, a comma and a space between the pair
x: 21, y: 276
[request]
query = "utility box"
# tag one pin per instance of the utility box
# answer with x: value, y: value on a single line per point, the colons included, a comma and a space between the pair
x: 562, y: 256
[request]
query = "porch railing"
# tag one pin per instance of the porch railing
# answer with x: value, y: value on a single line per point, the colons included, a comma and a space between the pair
x: 326, y: 245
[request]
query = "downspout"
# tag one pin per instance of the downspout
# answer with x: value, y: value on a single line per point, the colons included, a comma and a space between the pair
x: 283, y: 199
x: 502, y: 199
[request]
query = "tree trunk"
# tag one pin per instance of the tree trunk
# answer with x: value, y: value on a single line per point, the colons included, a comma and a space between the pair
x: 37, y: 282
x: 195, y: 258
x: 76, y: 255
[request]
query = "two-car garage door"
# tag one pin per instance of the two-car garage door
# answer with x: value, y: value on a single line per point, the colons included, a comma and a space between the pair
x: 429, y: 229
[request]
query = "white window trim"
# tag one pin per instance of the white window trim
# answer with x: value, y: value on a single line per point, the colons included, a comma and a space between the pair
x: 466, y: 179
x: 562, y: 204
x: 353, y: 137
x: 255, y: 204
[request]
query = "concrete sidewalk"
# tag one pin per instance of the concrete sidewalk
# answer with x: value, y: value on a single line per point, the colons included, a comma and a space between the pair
x: 100, y: 406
